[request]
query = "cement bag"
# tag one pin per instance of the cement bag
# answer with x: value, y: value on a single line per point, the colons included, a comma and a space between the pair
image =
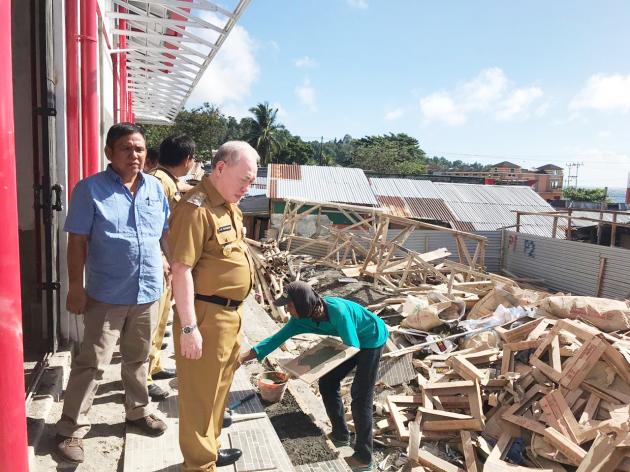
x: 419, y: 314
x: 603, y: 313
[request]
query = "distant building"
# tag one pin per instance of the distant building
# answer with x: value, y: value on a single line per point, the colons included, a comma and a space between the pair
x: 545, y: 180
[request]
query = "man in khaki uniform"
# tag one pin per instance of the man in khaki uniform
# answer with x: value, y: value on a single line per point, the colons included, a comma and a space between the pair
x: 176, y: 158
x: 212, y: 275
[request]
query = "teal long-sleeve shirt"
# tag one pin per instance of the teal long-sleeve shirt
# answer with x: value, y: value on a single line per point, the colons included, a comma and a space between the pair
x: 355, y: 325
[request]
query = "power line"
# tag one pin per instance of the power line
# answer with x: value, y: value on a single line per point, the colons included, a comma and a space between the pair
x: 573, y: 177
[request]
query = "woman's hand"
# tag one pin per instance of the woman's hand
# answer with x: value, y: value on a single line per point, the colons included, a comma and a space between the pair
x: 246, y: 356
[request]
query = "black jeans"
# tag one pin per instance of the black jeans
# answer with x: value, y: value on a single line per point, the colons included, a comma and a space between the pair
x: 362, y: 392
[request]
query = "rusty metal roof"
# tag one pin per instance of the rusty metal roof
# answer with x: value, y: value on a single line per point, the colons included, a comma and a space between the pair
x: 320, y: 184
x: 394, y: 205
x: 468, y: 207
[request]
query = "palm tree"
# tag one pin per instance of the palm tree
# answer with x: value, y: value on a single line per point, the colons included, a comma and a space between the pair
x: 264, y: 132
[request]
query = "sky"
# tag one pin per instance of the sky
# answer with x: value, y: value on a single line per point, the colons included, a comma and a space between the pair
x: 533, y: 82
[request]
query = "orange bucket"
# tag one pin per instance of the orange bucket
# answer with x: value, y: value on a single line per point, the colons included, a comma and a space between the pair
x: 272, y: 385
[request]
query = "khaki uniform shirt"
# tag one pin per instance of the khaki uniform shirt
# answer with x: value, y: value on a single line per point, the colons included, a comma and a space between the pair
x: 169, y: 183
x: 206, y: 233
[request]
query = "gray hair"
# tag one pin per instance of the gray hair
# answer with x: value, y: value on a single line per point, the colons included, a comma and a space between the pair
x: 232, y: 151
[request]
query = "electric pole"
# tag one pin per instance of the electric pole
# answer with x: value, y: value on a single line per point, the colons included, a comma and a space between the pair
x: 573, y: 177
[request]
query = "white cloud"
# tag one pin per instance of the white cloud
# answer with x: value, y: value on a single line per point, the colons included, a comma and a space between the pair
x: 441, y: 107
x: 604, y: 134
x: 305, y: 62
x: 490, y: 92
x: 228, y: 79
x: 394, y: 114
x: 597, y: 165
x: 363, y: 4
x: 517, y: 102
x: 604, y: 92
x: 306, y: 94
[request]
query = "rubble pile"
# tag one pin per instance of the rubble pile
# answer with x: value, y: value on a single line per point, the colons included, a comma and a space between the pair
x: 479, y: 373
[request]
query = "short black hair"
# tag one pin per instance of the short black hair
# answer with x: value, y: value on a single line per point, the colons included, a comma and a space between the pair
x: 119, y: 130
x: 175, y: 149
x: 153, y: 155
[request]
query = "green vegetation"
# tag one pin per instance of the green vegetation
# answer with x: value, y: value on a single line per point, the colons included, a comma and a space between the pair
x: 386, y: 154
x: 596, y: 195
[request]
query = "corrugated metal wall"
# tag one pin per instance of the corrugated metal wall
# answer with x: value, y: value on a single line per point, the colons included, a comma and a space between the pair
x: 568, y: 266
x: 428, y: 240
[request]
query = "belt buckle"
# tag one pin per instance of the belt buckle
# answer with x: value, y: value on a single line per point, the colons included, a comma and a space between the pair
x: 228, y: 304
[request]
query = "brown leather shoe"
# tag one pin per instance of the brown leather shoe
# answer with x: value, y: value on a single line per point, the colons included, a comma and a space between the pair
x: 151, y: 425
x: 71, y: 449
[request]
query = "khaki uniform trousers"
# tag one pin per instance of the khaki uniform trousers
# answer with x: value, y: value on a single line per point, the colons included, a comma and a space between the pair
x: 104, y: 324
x: 204, y: 384
x: 157, y: 337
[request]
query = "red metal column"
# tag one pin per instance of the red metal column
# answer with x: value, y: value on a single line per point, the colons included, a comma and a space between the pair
x: 116, y: 86
x: 72, y: 95
x: 89, y: 88
x: 122, y: 44
x: 13, y: 441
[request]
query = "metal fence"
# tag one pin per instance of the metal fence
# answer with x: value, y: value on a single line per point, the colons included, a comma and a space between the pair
x: 568, y: 266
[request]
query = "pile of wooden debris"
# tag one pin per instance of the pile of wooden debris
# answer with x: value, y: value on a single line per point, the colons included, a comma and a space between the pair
x: 479, y: 373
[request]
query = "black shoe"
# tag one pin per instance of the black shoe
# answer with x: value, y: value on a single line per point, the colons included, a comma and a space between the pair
x: 164, y: 345
x: 227, y: 419
x: 228, y: 456
x: 156, y: 393
x: 164, y: 374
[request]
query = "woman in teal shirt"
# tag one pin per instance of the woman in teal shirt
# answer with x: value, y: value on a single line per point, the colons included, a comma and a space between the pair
x: 357, y: 327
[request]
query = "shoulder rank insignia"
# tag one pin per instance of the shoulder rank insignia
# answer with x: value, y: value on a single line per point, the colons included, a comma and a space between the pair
x: 197, y: 198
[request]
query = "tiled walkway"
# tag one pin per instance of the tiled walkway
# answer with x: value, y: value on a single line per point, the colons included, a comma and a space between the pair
x: 262, y: 449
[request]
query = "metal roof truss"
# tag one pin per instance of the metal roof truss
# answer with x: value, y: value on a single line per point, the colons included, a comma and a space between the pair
x: 168, y: 48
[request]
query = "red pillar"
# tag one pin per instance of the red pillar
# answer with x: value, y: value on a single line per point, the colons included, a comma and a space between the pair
x: 122, y: 44
x: 89, y: 88
x: 72, y: 95
x: 13, y: 441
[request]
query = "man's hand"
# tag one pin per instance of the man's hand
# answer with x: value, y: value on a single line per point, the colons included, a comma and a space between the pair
x: 76, y: 300
x: 191, y: 344
x: 168, y: 275
x: 246, y: 356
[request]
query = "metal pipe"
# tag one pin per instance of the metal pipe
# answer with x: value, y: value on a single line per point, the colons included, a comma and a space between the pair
x: 13, y: 446
x: 89, y: 88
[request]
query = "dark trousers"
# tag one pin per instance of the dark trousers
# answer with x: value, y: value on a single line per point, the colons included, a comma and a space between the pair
x: 362, y: 392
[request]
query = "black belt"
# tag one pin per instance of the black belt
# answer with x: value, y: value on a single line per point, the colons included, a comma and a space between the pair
x: 219, y: 300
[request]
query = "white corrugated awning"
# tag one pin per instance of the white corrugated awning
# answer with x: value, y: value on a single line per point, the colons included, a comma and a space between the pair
x: 170, y: 44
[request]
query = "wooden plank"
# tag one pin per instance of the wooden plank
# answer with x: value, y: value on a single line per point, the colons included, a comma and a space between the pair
x: 574, y: 453
x: 465, y: 369
x: 435, y: 463
x: 579, y: 366
x: 559, y: 415
x: 470, y: 457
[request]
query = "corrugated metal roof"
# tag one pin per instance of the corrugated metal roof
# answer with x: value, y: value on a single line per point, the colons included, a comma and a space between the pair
x: 472, y: 207
x: 320, y: 184
x: 286, y: 171
x: 430, y: 209
x: 394, y: 205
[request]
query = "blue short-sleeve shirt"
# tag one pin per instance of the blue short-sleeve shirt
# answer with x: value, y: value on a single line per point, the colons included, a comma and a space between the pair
x: 124, y: 260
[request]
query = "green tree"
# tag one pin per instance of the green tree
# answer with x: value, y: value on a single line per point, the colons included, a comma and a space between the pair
x: 389, y: 154
x: 596, y: 195
x: 295, y: 151
x: 205, y: 124
x: 264, y: 132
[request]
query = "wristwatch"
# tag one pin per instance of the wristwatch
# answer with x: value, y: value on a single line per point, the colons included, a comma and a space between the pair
x: 188, y: 329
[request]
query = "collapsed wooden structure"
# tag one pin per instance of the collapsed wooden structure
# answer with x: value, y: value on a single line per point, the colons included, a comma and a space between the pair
x: 550, y: 394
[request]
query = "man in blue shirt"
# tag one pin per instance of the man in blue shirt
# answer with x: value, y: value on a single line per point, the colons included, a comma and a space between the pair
x: 116, y: 225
